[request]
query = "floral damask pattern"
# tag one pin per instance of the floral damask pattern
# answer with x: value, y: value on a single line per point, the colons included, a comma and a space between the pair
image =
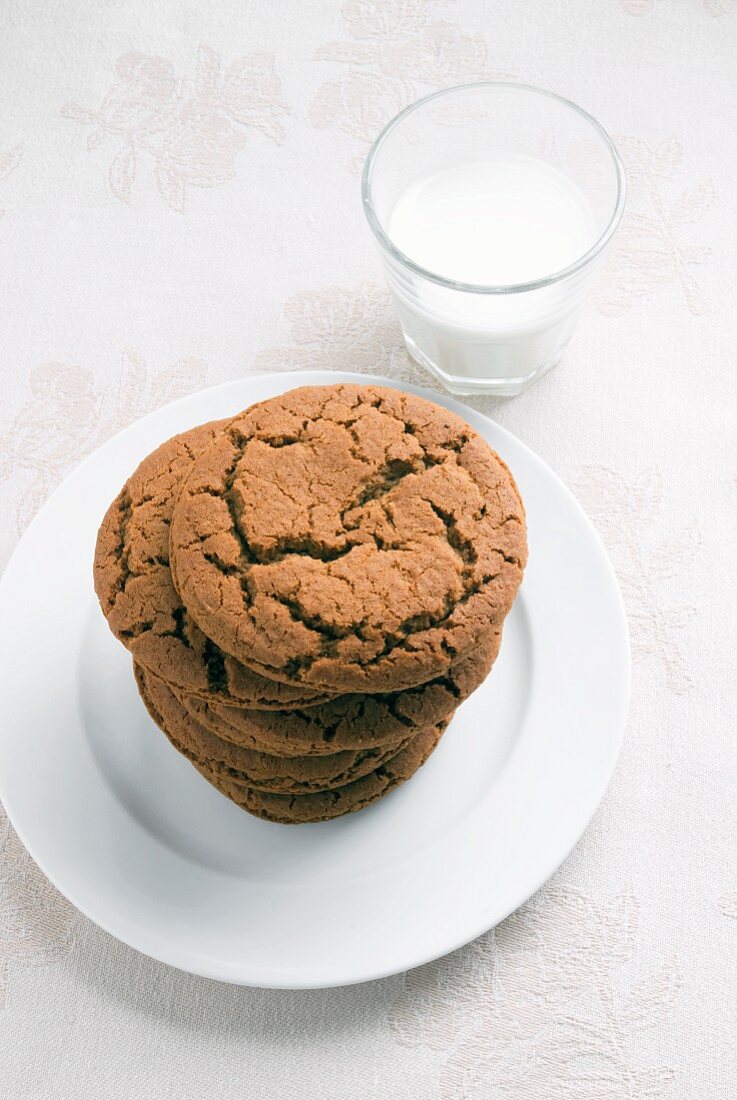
x: 627, y: 515
x: 650, y: 250
x: 545, y: 1005
x: 66, y: 414
x: 9, y: 161
x: 394, y: 52
x: 35, y: 920
x: 342, y: 328
x: 189, y: 130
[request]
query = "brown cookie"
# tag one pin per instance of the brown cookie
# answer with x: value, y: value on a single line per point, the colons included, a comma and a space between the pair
x: 247, y: 767
x: 349, y: 721
x: 134, y: 586
x: 322, y: 806
x: 348, y: 538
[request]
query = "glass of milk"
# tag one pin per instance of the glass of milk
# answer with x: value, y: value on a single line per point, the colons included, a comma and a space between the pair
x: 492, y: 204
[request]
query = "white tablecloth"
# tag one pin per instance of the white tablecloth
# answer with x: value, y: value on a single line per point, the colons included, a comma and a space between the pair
x: 180, y: 206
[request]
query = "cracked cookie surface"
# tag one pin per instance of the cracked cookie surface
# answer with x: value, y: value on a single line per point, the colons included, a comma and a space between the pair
x: 348, y: 539
x: 134, y: 585
x: 298, y: 809
x: 349, y: 721
x: 253, y: 768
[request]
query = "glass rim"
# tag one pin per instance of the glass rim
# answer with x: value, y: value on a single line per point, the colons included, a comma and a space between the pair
x: 481, y: 288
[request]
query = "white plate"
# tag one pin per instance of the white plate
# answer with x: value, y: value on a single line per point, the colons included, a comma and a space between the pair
x: 138, y: 841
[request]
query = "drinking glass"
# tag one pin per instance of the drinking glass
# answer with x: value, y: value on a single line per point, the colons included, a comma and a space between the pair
x: 479, y: 338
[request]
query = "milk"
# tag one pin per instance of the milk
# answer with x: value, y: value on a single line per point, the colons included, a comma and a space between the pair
x: 494, y: 222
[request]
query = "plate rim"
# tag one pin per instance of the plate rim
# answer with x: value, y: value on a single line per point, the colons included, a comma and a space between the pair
x: 292, y: 379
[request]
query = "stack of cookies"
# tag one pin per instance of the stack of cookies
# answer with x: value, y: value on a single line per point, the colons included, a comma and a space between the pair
x: 310, y: 590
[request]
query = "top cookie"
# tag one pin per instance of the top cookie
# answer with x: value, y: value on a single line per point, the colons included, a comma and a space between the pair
x: 348, y: 538
x: 134, y: 585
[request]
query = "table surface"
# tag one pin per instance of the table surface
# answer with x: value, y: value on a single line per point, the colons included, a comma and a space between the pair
x: 179, y: 205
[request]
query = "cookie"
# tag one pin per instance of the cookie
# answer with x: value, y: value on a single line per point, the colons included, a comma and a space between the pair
x: 348, y: 539
x: 133, y: 582
x: 247, y: 767
x: 349, y: 721
x: 301, y: 808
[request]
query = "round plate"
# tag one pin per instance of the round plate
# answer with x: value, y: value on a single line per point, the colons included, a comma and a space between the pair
x: 136, y: 839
